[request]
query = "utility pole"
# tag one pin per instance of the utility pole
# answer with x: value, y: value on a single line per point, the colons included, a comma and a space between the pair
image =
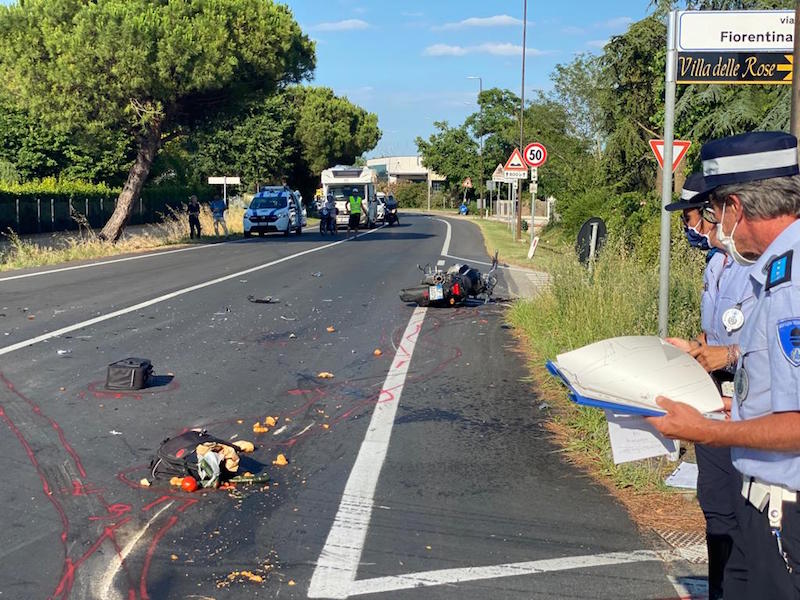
x: 518, y: 229
x: 795, y: 120
x: 481, y: 191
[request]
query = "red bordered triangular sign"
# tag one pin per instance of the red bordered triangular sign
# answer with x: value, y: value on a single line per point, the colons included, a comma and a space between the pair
x: 679, y: 148
x: 515, y: 162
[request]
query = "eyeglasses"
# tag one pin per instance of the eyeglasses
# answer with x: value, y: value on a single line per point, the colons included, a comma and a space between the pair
x: 709, y: 215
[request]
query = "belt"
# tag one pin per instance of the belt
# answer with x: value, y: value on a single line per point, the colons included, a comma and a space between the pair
x: 760, y: 493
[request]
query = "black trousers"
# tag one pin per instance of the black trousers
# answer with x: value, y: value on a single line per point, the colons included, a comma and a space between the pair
x: 756, y: 569
x: 194, y: 224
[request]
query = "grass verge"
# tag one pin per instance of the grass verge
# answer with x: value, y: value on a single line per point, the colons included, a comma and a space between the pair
x: 619, y: 298
x: 172, y: 230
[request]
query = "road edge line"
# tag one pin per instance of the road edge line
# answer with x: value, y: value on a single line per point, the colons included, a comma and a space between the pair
x: 338, y: 562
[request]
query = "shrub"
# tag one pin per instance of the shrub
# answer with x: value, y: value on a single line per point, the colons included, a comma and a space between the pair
x: 412, y: 195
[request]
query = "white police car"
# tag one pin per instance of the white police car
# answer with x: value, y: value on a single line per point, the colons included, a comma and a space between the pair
x: 275, y: 208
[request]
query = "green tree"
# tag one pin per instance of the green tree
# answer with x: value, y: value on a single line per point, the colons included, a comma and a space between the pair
x: 632, y: 67
x: 150, y: 69
x: 331, y: 130
x: 38, y: 151
x: 577, y: 87
x: 451, y: 152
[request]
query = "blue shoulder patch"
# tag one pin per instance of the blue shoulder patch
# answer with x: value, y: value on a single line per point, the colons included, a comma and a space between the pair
x: 789, y: 339
x: 779, y: 270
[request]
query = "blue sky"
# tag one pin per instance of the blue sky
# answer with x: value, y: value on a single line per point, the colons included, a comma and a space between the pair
x: 408, y: 60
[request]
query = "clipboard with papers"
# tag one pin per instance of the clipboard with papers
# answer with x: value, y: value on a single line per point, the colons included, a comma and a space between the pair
x: 627, y: 374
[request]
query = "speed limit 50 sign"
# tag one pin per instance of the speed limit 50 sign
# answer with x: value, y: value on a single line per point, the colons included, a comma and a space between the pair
x: 535, y: 154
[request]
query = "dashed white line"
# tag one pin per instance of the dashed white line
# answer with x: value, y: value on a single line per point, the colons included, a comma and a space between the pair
x: 340, y: 557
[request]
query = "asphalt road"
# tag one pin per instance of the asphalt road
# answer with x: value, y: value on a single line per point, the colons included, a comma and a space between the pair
x: 424, y: 472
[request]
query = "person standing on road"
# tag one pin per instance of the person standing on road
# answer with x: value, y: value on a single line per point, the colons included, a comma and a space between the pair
x: 372, y: 211
x: 218, y: 209
x: 355, y: 207
x: 725, y: 305
x: 194, y: 216
x: 330, y: 206
x: 755, y: 198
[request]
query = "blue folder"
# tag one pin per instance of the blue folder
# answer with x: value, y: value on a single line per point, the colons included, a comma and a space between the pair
x: 623, y: 409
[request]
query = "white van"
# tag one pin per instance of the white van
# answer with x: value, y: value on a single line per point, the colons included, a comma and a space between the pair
x: 343, y: 182
x: 275, y: 208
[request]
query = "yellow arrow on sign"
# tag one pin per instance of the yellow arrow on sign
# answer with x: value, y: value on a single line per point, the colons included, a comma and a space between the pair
x: 788, y: 67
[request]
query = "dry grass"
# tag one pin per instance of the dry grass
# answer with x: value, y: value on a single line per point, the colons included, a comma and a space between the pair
x: 173, y: 229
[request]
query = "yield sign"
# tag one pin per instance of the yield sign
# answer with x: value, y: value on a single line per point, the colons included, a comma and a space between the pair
x: 679, y: 148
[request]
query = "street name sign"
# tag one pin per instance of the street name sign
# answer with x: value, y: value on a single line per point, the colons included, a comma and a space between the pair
x: 679, y: 148
x: 515, y: 167
x: 735, y: 31
x: 224, y: 181
x: 535, y: 154
x: 735, y: 67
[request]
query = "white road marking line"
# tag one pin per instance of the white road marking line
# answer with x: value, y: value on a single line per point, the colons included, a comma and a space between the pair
x: 109, y: 262
x: 477, y: 262
x: 338, y: 562
x: 440, y: 263
x: 454, y: 576
x: 690, y: 588
x: 165, y: 297
x: 446, y: 245
x: 116, y: 561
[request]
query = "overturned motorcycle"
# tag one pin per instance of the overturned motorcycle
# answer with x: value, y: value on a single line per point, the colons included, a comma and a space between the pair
x: 451, y: 287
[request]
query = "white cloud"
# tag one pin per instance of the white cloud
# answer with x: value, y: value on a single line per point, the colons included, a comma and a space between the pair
x: 495, y: 21
x: 444, y: 50
x: 492, y: 48
x: 616, y: 23
x: 597, y: 43
x: 345, y: 25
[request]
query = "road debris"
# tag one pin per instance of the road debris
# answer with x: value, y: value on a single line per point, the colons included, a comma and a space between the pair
x: 244, y: 446
x: 317, y: 274
x: 280, y: 461
x: 279, y: 431
x: 330, y: 329
x: 288, y: 318
x: 264, y: 300
x: 115, y: 432
x: 271, y: 421
x: 144, y: 482
x: 377, y: 352
x: 292, y: 336
x: 325, y: 375
x: 63, y: 352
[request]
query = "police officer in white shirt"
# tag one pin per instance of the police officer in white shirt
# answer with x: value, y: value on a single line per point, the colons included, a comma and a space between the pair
x: 725, y: 304
x: 755, y: 202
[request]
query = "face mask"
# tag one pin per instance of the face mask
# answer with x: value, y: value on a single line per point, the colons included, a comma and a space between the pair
x: 728, y: 243
x: 696, y: 239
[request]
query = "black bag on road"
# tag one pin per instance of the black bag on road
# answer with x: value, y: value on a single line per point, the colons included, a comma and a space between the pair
x: 177, y: 456
x: 129, y: 374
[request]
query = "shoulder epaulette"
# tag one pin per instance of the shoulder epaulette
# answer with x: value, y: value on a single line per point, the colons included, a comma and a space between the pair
x: 779, y: 270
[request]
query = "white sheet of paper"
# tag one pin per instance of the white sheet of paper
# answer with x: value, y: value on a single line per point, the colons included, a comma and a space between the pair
x: 632, y: 439
x: 685, y: 477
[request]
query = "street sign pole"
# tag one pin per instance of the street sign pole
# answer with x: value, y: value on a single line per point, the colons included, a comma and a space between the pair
x: 666, y: 180
x: 795, y: 118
